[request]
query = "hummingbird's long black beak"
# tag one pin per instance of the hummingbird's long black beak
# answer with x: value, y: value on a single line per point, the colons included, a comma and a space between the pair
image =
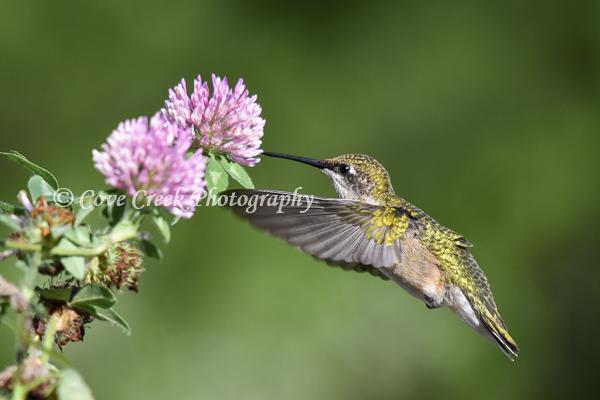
x: 304, y: 160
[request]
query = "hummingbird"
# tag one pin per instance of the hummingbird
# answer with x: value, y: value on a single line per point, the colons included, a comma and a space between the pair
x: 368, y: 228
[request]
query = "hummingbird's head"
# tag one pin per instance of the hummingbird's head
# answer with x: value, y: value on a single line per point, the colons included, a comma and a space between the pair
x: 354, y: 176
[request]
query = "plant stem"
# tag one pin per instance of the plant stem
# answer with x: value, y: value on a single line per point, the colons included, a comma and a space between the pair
x: 49, y: 338
x: 23, y: 321
x: 11, y: 244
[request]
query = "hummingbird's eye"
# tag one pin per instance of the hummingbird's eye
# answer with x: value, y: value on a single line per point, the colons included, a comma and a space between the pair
x: 344, y: 169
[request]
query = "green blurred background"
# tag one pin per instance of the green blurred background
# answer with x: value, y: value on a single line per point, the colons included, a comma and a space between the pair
x: 486, y: 115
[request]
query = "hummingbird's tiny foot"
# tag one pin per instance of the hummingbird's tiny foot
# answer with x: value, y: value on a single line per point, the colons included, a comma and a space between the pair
x: 433, y: 302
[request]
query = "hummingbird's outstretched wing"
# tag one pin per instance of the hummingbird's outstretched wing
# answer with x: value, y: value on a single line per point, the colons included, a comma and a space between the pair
x: 344, y: 233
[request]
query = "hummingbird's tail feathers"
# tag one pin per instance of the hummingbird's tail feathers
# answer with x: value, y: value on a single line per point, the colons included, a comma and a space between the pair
x: 479, y: 295
x: 501, y: 336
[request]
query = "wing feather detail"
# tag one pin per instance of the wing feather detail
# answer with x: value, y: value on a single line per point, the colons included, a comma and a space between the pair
x: 344, y: 233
